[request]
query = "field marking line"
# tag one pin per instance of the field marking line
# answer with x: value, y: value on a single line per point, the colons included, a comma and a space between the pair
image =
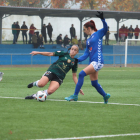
x: 76, y: 101
x: 89, y: 137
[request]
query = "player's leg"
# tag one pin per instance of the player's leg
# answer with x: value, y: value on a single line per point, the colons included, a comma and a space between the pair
x: 39, y: 83
x: 88, y: 70
x: 54, y: 85
x: 95, y: 84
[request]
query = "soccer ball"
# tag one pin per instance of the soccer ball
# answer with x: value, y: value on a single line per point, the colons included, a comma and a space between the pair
x: 41, y: 96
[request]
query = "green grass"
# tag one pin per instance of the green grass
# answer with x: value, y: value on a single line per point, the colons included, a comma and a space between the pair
x: 29, y: 119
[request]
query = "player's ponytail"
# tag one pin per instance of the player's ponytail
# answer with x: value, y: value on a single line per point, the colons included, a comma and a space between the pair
x: 68, y: 49
x: 91, y: 24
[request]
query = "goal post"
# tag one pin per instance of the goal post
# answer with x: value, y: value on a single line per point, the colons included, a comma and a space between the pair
x: 129, y: 42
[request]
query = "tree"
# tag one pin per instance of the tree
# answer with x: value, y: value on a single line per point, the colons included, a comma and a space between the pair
x: 37, y: 3
x: 125, y: 5
x: 2, y: 2
x: 58, y: 3
x: 92, y: 4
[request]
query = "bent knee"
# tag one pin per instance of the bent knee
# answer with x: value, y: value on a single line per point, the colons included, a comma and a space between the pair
x: 82, y: 74
x: 50, y: 91
x: 40, y: 84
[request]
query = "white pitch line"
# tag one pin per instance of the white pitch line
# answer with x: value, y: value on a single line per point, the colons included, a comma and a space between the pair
x: 93, y: 137
x: 76, y: 101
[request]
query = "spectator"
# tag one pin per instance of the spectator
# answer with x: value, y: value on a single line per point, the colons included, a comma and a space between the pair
x: 18, y: 30
x: 40, y: 41
x: 24, y: 31
x: 84, y: 44
x: 31, y: 32
x: 107, y: 37
x: 137, y: 30
x: 14, y: 32
x: 34, y: 40
x: 130, y: 34
x: 85, y: 35
x: 59, y: 40
x: 122, y: 33
x: 66, y: 41
x: 72, y: 32
x: 126, y: 32
x: 50, y: 30
x: 43, y: 31
x: 75, y: 41
x: 80, y: 44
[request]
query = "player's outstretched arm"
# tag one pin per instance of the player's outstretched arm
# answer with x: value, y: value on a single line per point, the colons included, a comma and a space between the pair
x: 104, y: 30
x: 75, y: 81
x: 42, y: 53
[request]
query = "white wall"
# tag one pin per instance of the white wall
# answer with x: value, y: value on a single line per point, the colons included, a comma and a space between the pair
x: 60, y: 25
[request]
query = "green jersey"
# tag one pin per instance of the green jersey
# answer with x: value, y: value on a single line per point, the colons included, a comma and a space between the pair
x: 63, y: 65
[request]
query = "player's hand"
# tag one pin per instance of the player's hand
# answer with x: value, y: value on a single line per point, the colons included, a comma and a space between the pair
x: 100, y: 15
x: 81, y: 92
x: 34, y: 53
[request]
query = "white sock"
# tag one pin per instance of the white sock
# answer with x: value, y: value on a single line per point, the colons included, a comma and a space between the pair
x: 34, y: 95
x: 46, y: 91
x: 36, y: 83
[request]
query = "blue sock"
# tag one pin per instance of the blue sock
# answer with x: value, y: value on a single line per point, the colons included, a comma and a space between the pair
x: 98, y: 87
x: 82, y: 74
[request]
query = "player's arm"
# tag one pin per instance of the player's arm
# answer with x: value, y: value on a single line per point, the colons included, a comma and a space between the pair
x: 75, y: 81
x: 84, y: 56
x: 104, y: 30
x: 42, y: 53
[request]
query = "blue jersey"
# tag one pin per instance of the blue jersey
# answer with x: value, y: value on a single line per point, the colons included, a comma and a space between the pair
x: 94, y: 46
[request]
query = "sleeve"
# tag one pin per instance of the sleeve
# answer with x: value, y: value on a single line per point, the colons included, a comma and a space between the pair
x: 59, y: 53
x: 84, y: 56
x: 74, y: 68
x: 104, y: 30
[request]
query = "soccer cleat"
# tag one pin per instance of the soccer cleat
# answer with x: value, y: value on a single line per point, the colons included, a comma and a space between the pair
x: 106, y: 98
x: 72, y: 98
x: 30, y: 85
x: 30, y: 97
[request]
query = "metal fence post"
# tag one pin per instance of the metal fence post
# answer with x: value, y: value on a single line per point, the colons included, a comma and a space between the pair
x: 114, y: 60
x: 11, y: 60
x: 31, y: 60
x: 132, y: 60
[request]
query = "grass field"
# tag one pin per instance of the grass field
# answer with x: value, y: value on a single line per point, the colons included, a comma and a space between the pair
x: 55, y: 118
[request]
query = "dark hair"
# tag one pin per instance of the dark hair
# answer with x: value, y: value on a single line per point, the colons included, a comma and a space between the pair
x: 91, y: 24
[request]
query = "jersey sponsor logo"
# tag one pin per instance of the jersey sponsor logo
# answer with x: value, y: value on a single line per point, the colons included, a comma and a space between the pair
x: 47, y: 73
x: 72, y: 63
x: 66, y: 58
x: 58, y: 51
x: 68, y: 61
x: 64, y: 66
x: 90, y: 49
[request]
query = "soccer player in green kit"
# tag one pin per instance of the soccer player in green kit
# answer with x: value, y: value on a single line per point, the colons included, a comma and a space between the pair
x: 57, y: 71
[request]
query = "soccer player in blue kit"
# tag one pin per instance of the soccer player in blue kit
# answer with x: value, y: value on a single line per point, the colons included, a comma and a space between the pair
x: 96, y: 61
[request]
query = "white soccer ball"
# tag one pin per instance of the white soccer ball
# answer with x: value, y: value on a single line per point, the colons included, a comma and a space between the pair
x: 41, y: 96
